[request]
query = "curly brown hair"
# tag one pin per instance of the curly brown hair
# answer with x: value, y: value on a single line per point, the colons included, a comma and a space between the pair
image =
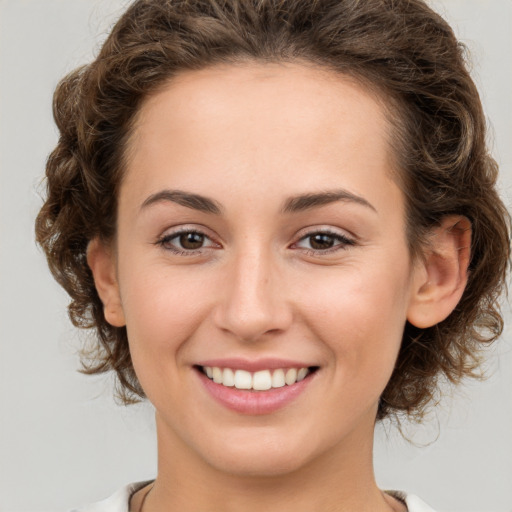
x: 400, y: 48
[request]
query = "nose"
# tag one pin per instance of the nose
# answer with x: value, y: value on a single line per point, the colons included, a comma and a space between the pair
x: 253, y: 297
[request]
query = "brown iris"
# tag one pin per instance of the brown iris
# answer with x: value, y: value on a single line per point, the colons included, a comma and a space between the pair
x: 191, y: 241
x: 321, y: 241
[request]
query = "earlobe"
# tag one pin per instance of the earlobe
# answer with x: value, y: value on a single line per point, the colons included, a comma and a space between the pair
x: 440, y: 278
x: 101, y: 261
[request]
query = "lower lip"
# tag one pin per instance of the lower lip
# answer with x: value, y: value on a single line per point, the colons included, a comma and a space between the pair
x: 254, y: 402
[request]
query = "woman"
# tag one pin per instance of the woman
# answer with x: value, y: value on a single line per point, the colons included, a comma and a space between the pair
x: 280, y: 217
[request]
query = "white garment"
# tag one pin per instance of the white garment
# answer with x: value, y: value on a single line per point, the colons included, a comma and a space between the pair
x: 120, y: 501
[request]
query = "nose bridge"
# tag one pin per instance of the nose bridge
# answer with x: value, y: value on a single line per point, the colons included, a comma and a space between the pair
x: 253, y: 302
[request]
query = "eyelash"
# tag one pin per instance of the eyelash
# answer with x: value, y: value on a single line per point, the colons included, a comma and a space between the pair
x: 165, y: 242
x: 343, y: 242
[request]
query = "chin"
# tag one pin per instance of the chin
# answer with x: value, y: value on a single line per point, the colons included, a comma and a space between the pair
x: 261, y: 465
x: 261, y: 456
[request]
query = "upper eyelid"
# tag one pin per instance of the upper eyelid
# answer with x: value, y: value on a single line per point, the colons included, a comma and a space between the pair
x: 313, y: 230
x: 178, y: 230
x: 342, y: 239
x: 345, y: 239
x: 174, y: 232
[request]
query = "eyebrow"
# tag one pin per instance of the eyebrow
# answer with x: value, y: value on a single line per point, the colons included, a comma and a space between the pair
x: 314, y: 200
x: 294, y: 204
x: 194, y: 201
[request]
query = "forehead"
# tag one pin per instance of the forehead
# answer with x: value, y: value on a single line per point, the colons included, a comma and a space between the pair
x: 281, y: 126
x: 280, y: 95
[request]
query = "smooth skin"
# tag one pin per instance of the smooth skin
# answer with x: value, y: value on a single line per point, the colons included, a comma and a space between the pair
x: 330, y: 284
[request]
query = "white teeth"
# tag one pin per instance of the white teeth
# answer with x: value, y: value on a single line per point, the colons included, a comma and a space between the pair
x: 243, y: 380
x: 257, y: 381
x: 301, y: 374
x: 228, y: 377
x: 278, y: 379
x: 262, y: 380
x: 291, y: 376
x: 217, y: 375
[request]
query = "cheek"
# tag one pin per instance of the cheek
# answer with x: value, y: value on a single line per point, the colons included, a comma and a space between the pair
x: 163, y: 311
x: 360, y: 316
x: 162, y: 308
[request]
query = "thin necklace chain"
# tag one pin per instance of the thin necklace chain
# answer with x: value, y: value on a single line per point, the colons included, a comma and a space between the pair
x: 141, y: 508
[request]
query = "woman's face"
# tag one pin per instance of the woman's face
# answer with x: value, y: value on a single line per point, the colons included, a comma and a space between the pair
x: 260, y: 232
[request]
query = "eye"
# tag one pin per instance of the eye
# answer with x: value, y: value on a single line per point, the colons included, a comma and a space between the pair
x: 324, y: 242
x: 187, y: 241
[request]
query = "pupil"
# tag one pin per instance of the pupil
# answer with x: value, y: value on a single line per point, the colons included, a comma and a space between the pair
x: 322, y: 241
x: 191, y: 240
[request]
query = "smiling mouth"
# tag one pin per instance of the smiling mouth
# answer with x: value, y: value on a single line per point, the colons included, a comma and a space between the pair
x: 262, y: 380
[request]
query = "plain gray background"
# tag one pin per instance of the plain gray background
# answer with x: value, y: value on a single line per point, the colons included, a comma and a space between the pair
x: 63, y: 441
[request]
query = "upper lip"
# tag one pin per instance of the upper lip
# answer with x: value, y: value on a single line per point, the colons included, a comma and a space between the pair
x: 268, y: 363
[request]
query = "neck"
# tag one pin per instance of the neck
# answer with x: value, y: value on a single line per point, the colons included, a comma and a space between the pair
x: 341, y: 480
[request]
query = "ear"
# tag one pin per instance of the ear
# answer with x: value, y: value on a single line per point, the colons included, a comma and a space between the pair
x: 101, y: 261
x: 440, y: 277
